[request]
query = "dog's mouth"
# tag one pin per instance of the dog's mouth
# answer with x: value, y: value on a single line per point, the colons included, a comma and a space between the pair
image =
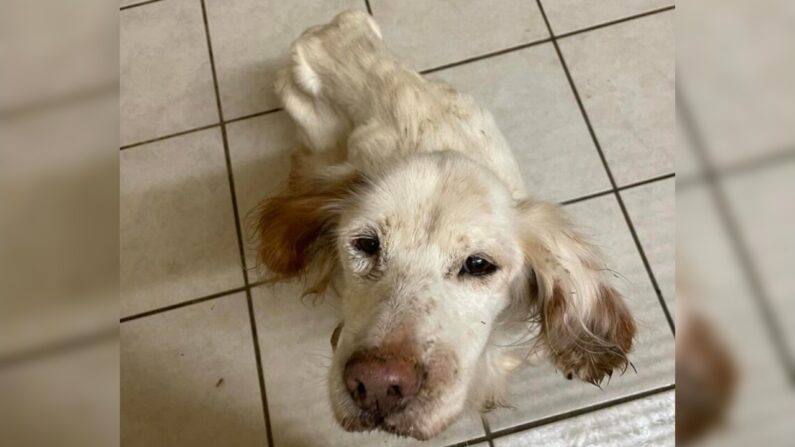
x: 399, y: 424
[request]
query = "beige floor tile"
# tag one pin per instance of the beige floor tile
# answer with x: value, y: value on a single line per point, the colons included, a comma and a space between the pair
x: 688, y: 165
x: 645, y: 422
x: 652, y: 209
x: 737, y: 79
x: 296, y: 376
x: 178, y: 238
x: 534, y: 107
x: 625, y: 76
x: 260, y: 151
x: 251, y: 40
x: 189, y: 378
x: 541, y: 391
x: 572, y: 15
x: 428, y: 34
x: 762, y: 203
x: 166, y: 79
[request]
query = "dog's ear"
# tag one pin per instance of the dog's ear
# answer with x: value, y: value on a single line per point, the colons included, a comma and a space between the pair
x: 294, y: 228
x: 585, y: 325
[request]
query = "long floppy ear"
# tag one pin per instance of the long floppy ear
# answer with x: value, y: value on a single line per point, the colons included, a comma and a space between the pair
x: 293, y: 229
x: 586, y: 327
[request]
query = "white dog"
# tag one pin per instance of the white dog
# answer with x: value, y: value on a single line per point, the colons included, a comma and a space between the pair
x: 406, y: 201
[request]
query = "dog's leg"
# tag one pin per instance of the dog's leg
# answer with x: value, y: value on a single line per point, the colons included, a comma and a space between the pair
x: 330, y: 76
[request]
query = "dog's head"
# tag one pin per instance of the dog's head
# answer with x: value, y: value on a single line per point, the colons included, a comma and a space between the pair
x: 430, y: 257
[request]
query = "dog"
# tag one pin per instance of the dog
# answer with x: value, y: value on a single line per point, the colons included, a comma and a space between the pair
x: 405, y: 202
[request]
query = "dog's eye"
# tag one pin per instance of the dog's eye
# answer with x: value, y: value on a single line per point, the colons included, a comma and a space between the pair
x: 367, y: 245
x: 477, y: 266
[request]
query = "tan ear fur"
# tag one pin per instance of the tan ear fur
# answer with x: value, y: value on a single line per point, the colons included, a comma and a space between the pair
x: 585, y: 326
x: 293, y: 228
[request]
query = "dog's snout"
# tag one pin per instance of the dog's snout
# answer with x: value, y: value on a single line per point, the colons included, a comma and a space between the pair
x: 381, y: 384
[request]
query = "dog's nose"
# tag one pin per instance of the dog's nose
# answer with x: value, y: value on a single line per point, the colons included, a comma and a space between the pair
x: 381, y: 385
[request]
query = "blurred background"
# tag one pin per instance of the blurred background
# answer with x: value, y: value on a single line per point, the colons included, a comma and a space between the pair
x: 735, y: 223
x: 735, y: 193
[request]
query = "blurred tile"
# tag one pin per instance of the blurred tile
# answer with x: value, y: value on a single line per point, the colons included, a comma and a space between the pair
x: 534, y: 107
x: 251, y: 40
x: 538, y: 392
x: 648, y: 421
x: 734, y: 72
x: 715, y: 287
x: 166, y: 79
x: 296, y: 377
x: 762, y: 202
x: 688, y: 165
x: 260, y: 150
x: 652, y: 209
x: 178, y: 238
x: 711, y: 279
x: 625, y: 76
x: 428, y: 34
x: 572, y: 15
x: 189, y: 377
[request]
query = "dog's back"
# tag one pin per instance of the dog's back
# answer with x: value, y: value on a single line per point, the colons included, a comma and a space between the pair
x: 350, y: 95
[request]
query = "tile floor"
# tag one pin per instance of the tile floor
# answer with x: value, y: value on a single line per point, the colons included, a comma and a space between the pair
x: 202, y: 139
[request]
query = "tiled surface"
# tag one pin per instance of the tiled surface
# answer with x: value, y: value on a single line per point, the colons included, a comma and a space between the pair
x: 166, y: 81
x: 527, y: 92
x: 625, y: 76
x: 687, y: 163
x: 572, y: 15
x: 646, y: 422
x: 742, y: 108
x: 188, y: 375
x: 251, y: 40
x: 542, y: 391
x: 759, y: 199
x: 178, y: 229
x: 652, y: 210
x: 430, y: 34
x: 178, y: 238
x: 260, y: 153
x: 713, y: 279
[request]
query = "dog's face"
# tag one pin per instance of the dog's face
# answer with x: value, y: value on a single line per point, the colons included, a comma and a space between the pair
x: 428, y: 253
x: 428, y: 258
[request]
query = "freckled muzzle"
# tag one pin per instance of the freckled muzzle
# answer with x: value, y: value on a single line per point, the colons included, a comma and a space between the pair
x: 391, y: 389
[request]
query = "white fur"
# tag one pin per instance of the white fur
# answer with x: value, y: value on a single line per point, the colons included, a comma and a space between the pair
x: 444, y: 185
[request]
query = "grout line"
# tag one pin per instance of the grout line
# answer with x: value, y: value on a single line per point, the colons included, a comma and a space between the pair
x: 484, y: 56
x: 369, y: 8
x: 57, y: 101
x: 610, y: 177
x: 238, y: 231
x: 135, y: 5
x: 198, y: 129
x: 166, y: 137
x: 260, y: 371
x: 58, y: 347
x: 740, y: 168
x: 620, y: 188
x: 487, y: 430
x: 737, y: 242
x: 581, y: 411
x: 182, y: 304
x: 253, y: 115
x: 615, y: 22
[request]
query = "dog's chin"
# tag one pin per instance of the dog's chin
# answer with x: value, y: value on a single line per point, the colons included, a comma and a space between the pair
x: 407, y: 423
